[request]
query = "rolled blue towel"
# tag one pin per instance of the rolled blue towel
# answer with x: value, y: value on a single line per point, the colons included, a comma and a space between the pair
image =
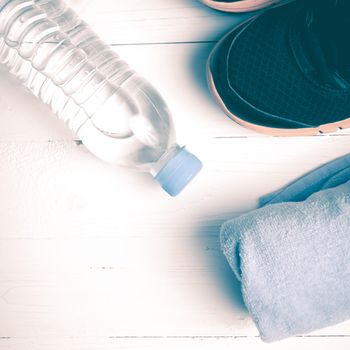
x: 292, y: 255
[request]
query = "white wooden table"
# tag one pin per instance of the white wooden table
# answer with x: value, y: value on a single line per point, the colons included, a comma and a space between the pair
x: 95, y: 257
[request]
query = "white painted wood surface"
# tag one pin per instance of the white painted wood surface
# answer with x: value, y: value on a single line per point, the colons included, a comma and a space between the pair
x: 95, y: 257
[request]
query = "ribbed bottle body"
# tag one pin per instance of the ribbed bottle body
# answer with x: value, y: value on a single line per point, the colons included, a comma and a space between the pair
x: 117, y: 114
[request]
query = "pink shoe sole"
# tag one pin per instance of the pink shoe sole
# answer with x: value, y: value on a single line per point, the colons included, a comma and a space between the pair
x: 244, y: 5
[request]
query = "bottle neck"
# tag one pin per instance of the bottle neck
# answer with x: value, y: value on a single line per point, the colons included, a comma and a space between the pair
x: 176, y: 169
x: 164, y: 159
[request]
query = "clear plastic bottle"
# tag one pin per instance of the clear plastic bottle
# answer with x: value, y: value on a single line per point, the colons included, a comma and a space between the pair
x: 116, y: 113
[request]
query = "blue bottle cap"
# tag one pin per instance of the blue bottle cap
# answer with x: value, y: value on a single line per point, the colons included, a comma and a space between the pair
x: 178, y: 172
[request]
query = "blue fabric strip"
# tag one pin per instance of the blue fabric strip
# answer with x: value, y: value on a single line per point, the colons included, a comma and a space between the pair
x: 329, y: 175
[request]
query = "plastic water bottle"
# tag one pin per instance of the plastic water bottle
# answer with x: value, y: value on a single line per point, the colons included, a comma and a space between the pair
x: 116, y: 113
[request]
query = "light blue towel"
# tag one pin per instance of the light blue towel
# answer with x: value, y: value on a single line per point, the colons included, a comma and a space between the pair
x: 292, y: 255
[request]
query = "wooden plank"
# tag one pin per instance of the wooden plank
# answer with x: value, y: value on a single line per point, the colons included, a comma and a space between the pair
x: 122, y: 288
x: 48, y: 181
x: 190, y: 343
x: 154, y: 21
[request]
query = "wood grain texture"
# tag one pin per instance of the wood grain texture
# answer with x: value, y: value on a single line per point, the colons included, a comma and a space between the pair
x: 154, y: 21
x: 98, y: 257
x: 174, y: 343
